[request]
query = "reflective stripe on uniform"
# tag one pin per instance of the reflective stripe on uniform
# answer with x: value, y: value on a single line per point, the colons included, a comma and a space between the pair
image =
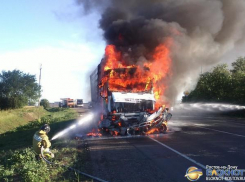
x: 38, y: 138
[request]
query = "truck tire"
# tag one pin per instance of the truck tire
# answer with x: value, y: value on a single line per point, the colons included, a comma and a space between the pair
x: 163, y: 128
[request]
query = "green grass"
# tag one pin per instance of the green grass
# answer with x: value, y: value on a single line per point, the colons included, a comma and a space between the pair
x: 17, y: 160
x: 21, y: 165
x: 21, y: 136
x: 11, y: 119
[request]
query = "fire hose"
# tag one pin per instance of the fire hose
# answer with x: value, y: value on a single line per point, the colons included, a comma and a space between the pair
x: 70, y: 168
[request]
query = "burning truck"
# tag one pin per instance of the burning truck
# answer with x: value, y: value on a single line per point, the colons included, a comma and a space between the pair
x: 125, y: 97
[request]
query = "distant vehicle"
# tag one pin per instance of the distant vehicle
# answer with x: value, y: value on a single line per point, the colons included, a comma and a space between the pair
x: 67, y: 102
x: 79, y: 103
x: 70, y: 103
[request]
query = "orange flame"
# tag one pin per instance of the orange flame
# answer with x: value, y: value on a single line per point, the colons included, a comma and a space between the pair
x: 138, y: 78
x: 153, y: 130
x: 113, y: 59
x: 116, y: 133
x: 94, y: 134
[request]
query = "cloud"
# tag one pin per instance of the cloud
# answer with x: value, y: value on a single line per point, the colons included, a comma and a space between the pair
x: 64, y: 68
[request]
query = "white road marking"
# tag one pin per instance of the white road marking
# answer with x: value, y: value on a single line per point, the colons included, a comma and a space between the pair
x: 220, y: 131
x: 175, y: 151
x: 182, y: 155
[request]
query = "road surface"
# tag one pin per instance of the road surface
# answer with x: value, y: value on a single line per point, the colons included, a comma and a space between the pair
x: 192, y: 140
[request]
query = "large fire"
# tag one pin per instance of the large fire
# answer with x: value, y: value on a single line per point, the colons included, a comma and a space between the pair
x: 138, y: 78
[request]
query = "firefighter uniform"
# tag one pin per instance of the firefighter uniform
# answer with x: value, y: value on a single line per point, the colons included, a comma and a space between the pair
x: 40, y: 139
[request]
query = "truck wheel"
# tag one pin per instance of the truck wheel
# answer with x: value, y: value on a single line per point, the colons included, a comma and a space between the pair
x: 163, y: 128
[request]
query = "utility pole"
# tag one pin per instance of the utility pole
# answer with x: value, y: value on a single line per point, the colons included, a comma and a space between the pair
x: 40, y: 74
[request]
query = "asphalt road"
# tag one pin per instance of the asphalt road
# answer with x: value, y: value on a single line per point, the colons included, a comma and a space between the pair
x: 192, y: 140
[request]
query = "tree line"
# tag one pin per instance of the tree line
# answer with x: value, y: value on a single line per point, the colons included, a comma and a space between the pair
x: 221, y: 85
x: 18, y: 89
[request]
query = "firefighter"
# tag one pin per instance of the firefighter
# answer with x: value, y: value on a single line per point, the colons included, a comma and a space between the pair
x: 41, y: 141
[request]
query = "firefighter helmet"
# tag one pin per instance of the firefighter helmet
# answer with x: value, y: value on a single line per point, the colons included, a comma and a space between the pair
x: 45, y: 128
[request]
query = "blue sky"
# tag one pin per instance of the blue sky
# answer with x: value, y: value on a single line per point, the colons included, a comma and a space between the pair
x: 55, y: 34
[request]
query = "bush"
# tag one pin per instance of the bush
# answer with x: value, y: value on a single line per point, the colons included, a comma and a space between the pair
x: 44, y: 103
x: 24, y: 163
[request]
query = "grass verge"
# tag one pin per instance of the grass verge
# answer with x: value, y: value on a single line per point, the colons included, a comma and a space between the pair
x: 13, y: 118
x: 17, y: 160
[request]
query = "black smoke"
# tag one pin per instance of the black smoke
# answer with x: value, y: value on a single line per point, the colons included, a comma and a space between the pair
x: 202, y: 32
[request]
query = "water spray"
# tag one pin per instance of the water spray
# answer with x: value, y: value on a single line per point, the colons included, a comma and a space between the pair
x: 209, y: 107
x: 79, y: 123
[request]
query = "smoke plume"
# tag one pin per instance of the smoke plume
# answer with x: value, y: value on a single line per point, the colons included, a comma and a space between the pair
x: 201, y: 32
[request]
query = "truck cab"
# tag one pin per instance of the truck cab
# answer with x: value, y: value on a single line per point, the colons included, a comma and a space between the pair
x: 67, y: 102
